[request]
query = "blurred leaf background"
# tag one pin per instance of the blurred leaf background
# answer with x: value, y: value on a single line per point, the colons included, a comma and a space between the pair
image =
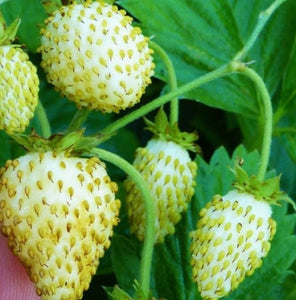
x: 199, y: 36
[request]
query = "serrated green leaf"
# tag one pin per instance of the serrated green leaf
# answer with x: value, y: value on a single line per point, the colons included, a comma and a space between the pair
x: 204, y: 35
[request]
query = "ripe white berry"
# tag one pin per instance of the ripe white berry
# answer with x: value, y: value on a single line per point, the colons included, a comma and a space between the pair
x: 19, y: 87
x: 58, y: 214
x: 233, y: 235
x: 95, y: 57
x: 170, y: 175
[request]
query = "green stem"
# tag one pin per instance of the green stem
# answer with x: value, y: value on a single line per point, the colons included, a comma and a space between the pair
x: 172, y: 81
x: 143, y: 110
x: 43, y: 120
x: 78, y: 119
x: 267, y: 115
x: 147, y: 250
x: 262, y: 20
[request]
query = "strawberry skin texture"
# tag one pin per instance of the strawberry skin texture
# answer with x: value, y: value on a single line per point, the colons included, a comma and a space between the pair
x: 170, y: 174
x: 95, y: 57
x: 19, y: 87
x: 58, y: 214
x: 233, y: 235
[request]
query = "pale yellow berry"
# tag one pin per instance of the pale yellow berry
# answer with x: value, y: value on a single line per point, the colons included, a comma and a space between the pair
x: 229, y: 242
x: 19, y: 87
x: 170, y: 175
x: 95, y: 57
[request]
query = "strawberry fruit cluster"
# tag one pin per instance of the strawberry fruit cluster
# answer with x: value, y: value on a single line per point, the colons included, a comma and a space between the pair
x: 58, y: 208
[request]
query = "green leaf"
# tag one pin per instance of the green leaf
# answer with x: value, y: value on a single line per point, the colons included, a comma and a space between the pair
x: 288, y: 93
x: 284, y: 166
x: 5, y: 152
x: 200, y: 36
x: 125, y: 256
x: 32, y: 15
x: 171, y: 272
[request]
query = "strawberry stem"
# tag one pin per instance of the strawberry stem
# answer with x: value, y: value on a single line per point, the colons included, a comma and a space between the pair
x: 172, y: 81
x: 267, y: 115
x: 262, y: 20
x: 43, y: 120
x: 136, y: 176
x: 143, y: 110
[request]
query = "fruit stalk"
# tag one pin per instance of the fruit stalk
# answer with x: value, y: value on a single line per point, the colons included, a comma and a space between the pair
x: 147, y: 250
x: 172, y: 81
x: 267, y: 115
x: 143, y: 110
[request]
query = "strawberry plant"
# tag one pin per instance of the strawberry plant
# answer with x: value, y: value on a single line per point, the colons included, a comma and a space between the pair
x: 148, y: 148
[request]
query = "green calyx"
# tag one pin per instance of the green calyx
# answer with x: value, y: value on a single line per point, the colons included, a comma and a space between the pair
x: 118, y: 294
x: 8, y: 33
x: 51, y: 6
x: 75, y: 143
x: 267, y: 190
x: 162, y: 129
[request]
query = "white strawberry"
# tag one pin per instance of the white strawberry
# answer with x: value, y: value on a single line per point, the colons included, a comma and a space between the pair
x: 19, y: 83
x: 58, y: 213
x: 170, y: 174
x: 233, y: 235
x: 95, y: 57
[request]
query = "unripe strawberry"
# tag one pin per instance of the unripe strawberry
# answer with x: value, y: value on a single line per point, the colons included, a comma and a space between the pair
x: 233, y: 235
x: 95, y: 57
x: 170, y: 174
x: 19, y: 87
x: 58, y: 214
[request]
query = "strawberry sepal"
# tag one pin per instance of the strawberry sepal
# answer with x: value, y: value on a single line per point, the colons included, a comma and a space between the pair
x: 74, y: 142
x: 162, y: 130
x: 267, y: 190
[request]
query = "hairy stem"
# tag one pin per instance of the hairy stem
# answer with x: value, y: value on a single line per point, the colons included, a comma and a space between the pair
x: 147, y: 250
x: 172, y: 81
x: 262, y: 20
x: 143, y: 110
x: 267, y: 116
x: 43, y: 120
